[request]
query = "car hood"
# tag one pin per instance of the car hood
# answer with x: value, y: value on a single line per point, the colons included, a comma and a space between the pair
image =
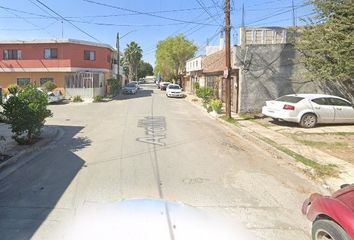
x: 154, y: 219
x: 174, y: 90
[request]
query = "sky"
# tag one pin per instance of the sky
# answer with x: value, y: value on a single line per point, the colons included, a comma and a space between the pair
x: 144, y: 21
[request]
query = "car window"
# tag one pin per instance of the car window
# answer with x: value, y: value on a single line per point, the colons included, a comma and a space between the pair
x: 339, y: 102
x: 290, y: 99
x: 131, y: 85
x: 321, y: 101
x: 174, y: 87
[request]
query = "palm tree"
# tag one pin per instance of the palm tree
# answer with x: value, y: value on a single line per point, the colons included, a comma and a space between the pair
x: 132, y: 57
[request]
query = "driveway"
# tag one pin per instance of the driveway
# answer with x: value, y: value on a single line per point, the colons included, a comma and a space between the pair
x: 108, y: 154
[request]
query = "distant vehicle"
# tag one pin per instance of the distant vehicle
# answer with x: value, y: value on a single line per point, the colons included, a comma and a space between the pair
x: 130, y: 88
x: 332, y: 217
x: 174, y: 90
x: 141, y: 81
x: 310, y: 109
x: 163, y: 85
x: 55, y: 97
x: 150, y: 79
x: 137, y: 83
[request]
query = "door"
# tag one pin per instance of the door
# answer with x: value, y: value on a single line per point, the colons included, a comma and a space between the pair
x: 323, y: 109
x: 344, y: 111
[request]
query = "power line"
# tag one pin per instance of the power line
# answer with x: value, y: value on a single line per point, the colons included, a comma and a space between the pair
x: 29, y: 22
x: 206, y: 10
x: 68, y: 21
x: 145, y: 13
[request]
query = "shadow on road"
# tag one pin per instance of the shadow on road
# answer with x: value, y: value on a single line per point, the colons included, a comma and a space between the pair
x: 30, y: 194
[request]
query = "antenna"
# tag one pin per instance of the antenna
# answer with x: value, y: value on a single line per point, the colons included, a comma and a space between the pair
x: 293, y: 8
x: 243, y: 16
x: 62, y: 29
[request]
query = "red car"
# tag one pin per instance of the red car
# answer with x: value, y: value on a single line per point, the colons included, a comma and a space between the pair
x: 332, y: 216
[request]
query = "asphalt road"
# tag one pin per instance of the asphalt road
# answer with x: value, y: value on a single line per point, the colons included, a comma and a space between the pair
x: 149, y: 146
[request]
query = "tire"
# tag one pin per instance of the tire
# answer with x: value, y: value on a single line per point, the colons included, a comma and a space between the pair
x: 308, y: 120
x: 324, y: 229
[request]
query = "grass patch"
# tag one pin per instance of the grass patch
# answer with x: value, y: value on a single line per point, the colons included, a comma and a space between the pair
x: 331, y: 133
x: 250, y: 115
x: 229, y: 120
x: 321, y: 144
x: 329, y: 170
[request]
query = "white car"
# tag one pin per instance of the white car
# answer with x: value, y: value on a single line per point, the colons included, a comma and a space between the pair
x: 174, y: 90
x: 55, y: 97
x: 310, y: 109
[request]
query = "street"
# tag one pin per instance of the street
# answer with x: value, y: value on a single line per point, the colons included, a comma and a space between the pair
x: 108, y: 153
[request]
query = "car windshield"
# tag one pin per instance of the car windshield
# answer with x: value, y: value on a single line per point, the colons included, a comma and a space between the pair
x: 289, y: 99
x: 174, y: 87
x: 131, y: 85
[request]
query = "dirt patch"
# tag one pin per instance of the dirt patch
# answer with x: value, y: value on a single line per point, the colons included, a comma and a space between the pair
x: 340, y: 145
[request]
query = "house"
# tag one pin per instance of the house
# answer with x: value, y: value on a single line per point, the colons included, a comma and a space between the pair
x: 76, y: 67
x: 208, y: 71
x: 194, y: 73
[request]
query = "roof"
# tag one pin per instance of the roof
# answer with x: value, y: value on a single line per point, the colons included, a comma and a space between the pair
x: 45, y: 41
x: 312, y: 96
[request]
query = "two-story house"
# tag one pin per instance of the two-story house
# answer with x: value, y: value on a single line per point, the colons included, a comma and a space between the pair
x: 70, y: 64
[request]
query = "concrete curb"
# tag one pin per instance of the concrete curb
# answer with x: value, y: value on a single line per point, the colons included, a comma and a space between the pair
x: 26, y: 155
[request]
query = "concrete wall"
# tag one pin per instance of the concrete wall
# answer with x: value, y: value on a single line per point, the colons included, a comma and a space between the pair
x: 270, y: 71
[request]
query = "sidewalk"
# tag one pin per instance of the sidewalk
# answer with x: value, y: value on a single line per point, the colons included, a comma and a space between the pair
x: 331, y: 171
x: 345, y: 169
x: 20, y: 154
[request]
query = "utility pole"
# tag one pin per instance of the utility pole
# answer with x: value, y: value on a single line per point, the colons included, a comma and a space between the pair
x: 227, y: 72
x: 118, y: 56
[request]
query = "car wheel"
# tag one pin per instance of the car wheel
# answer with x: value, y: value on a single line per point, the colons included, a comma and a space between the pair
x: 308, y: 120
x: 324, y: 229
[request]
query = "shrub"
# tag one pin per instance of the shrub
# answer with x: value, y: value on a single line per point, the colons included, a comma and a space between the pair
x: 98, y: 99
x: 216, y: 105
x: 114, y: 86
x: 13, y: 89
x: 49, y: 86
x: 77, y: 99
x: 205, y: 93
x: 26, y: 113
x: 196, y: 85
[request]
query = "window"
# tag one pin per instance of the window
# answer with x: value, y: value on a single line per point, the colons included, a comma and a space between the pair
x: 339, y: 102
x: 12, y: 54
x: 44, y: 80
x: 89, y: 55
x: 320, y: 101
x: 289, y: 99
x: 23, y: 81
x: 50, y: 53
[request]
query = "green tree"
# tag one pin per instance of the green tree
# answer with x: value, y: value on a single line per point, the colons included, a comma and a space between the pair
x: 145, y: 69
x: 26, y: 113
x: 49, y: 86
x: 172, y: 54
x: 132, y: 57
x: 327, y: 42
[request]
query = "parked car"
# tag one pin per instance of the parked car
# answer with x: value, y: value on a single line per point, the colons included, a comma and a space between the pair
x: 55, y: 97
x: 130, y: 88
x: 332, y: 217
x: 310, y: 109
x: 174, y: 90
x: 141, y: 81
x: 163, y: 85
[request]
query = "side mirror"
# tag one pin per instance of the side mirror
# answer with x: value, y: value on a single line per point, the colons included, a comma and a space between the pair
x: 181, y: 89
